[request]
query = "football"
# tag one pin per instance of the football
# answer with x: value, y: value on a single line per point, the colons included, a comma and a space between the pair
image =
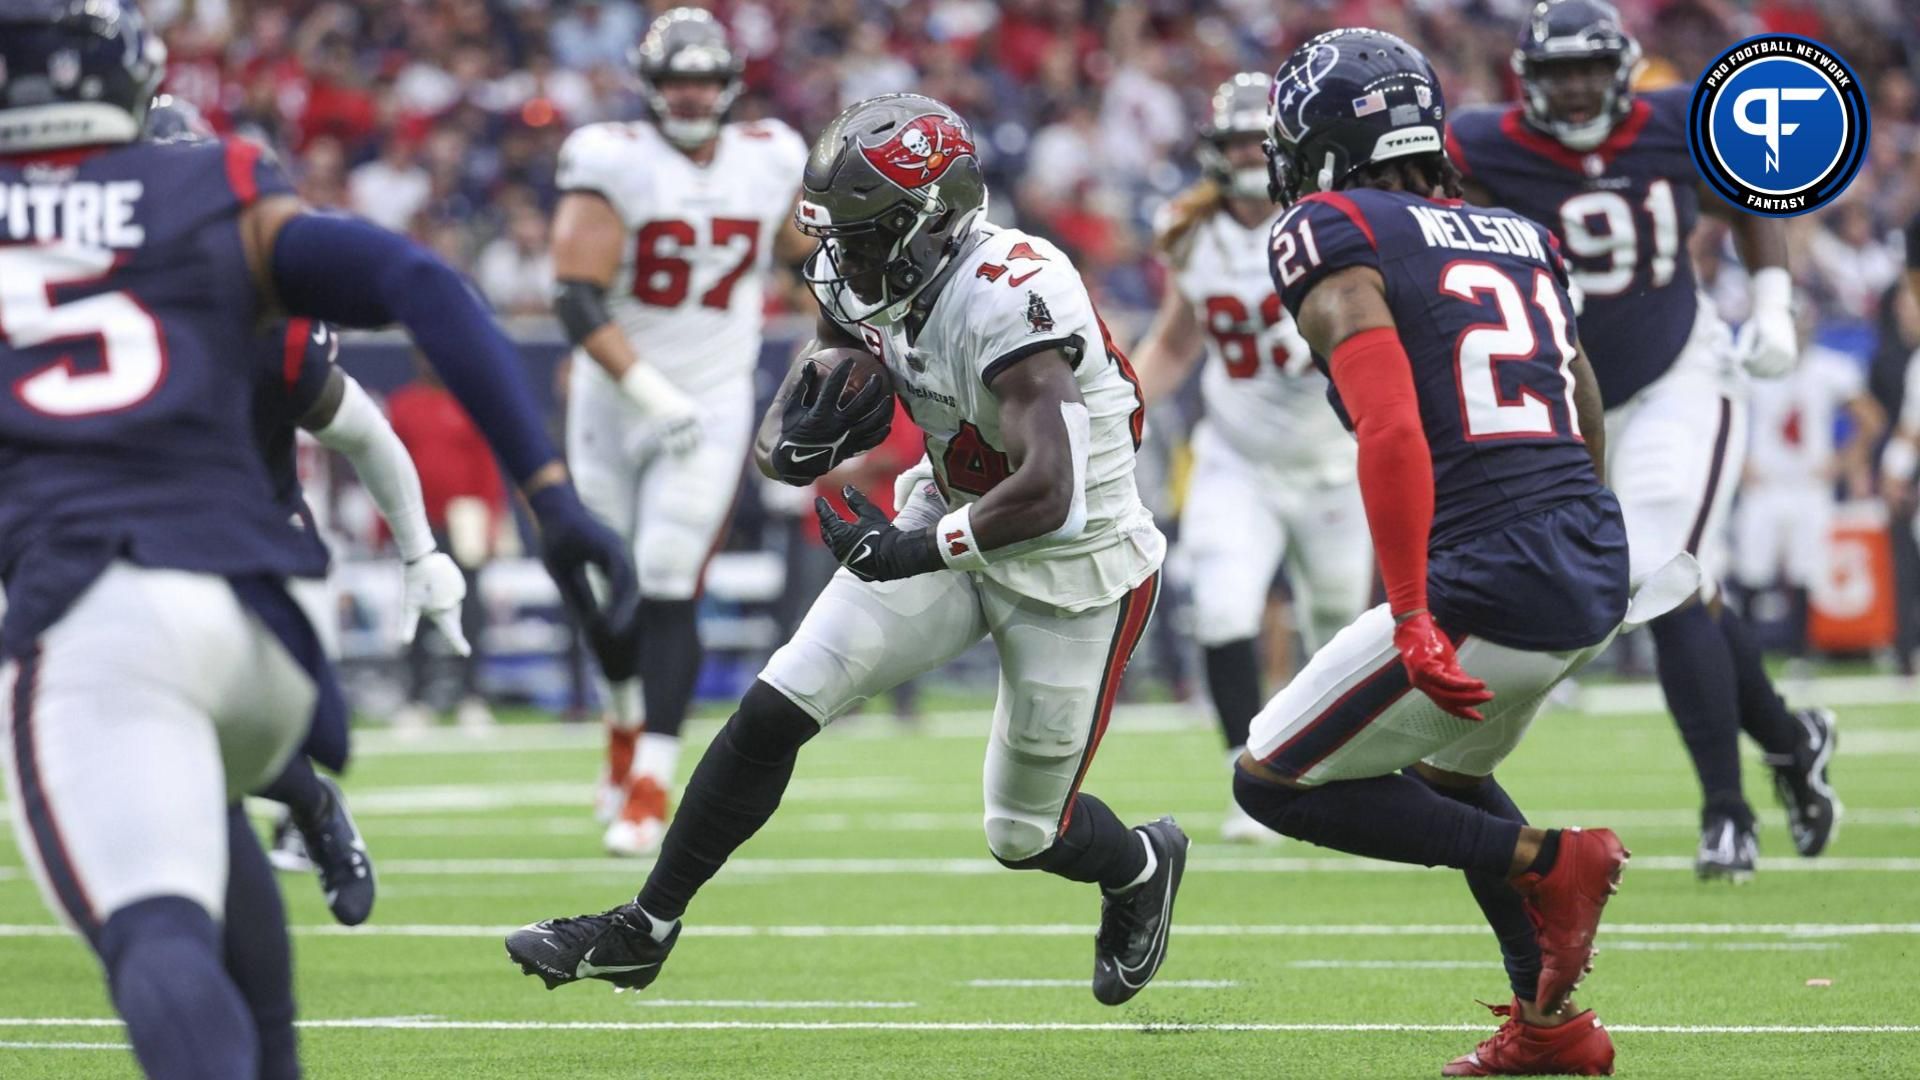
x: 865, y: 367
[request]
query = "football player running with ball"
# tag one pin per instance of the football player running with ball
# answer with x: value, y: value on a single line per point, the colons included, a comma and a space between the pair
x: 662, y: 241
x: 1029, y: 532
x: 1449, y: 337
x: 1608, y: 171
x: 1273, y: 473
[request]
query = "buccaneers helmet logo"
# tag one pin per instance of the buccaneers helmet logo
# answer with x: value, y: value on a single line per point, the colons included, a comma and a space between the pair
x: 920, y: 152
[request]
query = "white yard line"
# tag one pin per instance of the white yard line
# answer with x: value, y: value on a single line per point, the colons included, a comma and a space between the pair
x: 757, y: 1003
x: 1391, y: 965
x: 1081, y: 984
x: 951, y: 930
x: 938, y: 867
x: 415, y: 1024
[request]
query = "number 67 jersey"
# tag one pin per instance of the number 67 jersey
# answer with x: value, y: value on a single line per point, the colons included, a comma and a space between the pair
x: 689, y: 290
x: 1480, y: 301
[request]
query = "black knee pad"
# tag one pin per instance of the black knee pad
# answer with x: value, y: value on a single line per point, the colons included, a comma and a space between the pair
x: 768, y: 726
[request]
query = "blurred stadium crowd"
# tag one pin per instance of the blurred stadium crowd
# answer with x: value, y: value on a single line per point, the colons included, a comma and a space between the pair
x: 443, y: 118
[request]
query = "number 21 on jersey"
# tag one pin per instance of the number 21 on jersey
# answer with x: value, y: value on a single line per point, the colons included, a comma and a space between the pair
x: 1483, y: 347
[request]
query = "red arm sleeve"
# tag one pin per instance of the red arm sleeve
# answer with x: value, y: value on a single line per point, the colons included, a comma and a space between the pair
x: 1375, y: 381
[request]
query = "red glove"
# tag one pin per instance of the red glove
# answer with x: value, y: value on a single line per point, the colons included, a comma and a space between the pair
x: 1435, y: 670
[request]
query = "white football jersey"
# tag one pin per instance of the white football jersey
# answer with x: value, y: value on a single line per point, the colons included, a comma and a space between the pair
x: 692, y: 275
x: 1262, y: 393
x: 1014, y: 295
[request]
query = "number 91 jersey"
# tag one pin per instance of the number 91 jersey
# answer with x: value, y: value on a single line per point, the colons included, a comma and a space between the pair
x: 1479, y: 298
x: 1622, y: 211
x: 692, y: 275
x: 1262, y: 393
x: 1012, y: 295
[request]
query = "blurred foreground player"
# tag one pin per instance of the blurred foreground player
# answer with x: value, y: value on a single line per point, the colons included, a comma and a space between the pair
x: 299, y: 387
x: 1272, y: 469
x: 1449, y: 337
x: 1609, y: 172
x: 158, y: 668
x: 1030, y: 532
x: 662, y: 241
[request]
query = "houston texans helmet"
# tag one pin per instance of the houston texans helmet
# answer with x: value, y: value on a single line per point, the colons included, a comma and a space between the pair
x: 1559, y: 31
x: 1347, y: 99
x: 74, y: 73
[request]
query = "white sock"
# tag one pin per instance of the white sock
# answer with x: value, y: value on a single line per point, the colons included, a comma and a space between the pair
x: 623, y: 705
x: 657, y: 757
x: 658, y: 929
x: 1153, y: 863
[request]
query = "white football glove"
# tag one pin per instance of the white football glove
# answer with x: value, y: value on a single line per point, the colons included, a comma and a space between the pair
x: 1769, y: 343
x: 434, y: 587
x: 671, y: 412
x: 907, y: 483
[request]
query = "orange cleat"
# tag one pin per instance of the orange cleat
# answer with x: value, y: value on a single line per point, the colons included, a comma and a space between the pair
x: 1578, y: 1047
x: 642, y: 823
x: 1565, y: 904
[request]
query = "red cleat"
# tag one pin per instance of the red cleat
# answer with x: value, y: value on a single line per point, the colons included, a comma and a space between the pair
x: 1578, y: 1047
x: 1565, y: 906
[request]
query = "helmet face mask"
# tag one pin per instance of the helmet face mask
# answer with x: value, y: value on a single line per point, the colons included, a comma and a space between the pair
x: 1576, y: 68
x: 891, y: 189
x: 687, y: 48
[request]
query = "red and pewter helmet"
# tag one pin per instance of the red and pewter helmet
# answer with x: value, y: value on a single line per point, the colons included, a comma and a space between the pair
x: 687, y: 43
x: 1239, y: 109
x: 891, y: 190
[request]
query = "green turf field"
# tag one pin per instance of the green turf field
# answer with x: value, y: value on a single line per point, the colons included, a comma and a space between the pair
x: 866, y: 933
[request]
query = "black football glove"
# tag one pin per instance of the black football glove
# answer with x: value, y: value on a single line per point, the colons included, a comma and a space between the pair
x: 817, y: 432
x: 571, y: 540
x: 870, y: 546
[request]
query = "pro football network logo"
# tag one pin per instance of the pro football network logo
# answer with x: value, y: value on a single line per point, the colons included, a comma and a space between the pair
x: 1778, y: 125
x: 921, y: 152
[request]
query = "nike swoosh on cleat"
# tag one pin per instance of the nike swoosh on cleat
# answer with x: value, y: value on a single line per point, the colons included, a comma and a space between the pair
x: 809, y: 456
x: 587, y: 970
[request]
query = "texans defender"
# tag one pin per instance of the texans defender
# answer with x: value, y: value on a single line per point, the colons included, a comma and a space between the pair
x: 662, y: 242
x: 1272, y: 471
x: 1608, y: 171
x: 157, y: 668
x: 1449, y: 338
x: 301, y: 388
x: 1030, y: 533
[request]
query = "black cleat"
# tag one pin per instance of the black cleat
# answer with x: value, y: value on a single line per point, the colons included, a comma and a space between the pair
x: 617, y: 946
x: 288, y: 852
x: 1728, y: 850
x: 1132, y: 942
x: 339, y: 855
x: 1800, y: 781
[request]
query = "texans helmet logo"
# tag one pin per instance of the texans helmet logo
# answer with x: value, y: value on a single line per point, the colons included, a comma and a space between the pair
x: 920, y: 152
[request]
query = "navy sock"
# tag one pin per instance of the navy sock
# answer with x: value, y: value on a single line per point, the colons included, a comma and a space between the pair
x: 1233, y: 680
x: 732, y: 792
x: 670, y: 655
x: 1763, y: 715
x: 1519, y: 946
x: 1697, y: 675
x: 298, y: 788
x: 257, y: 955
x: 1095, y: 846
x: 1392, y: 817
x: 184, y: 1015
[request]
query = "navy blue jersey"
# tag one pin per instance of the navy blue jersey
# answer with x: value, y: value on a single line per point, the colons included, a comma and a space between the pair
x: 127, y: 337
x: 1622, y: 212
x: 296, y: 361
x: 1480, y: 301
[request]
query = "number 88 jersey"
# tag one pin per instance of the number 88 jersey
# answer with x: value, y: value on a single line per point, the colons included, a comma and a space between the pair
x: 1479, y: 298
x: 691, y: 283
x: 1622, y: 211
x: 1263, y: 396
